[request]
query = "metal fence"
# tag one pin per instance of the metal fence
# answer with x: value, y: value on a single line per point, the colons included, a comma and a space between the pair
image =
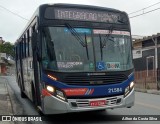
x: 147, y: 79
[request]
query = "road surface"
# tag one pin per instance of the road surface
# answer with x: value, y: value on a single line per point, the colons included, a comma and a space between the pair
x: 145, y: 104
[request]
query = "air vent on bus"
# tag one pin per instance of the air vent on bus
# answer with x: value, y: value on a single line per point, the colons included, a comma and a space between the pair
x: 94, y: 79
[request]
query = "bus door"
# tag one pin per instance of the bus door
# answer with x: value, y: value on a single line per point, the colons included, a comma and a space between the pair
x: 21, y: 67
x: 36, y: 65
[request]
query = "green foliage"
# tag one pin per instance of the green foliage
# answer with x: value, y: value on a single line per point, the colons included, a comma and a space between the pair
x: 7, y: 48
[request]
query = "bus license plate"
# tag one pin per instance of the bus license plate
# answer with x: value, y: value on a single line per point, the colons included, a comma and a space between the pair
x: 98, y: 103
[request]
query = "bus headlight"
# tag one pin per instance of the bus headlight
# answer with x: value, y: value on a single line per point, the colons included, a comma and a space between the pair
x: 50, y: 88
x: 131, y: 85
x: 129, y: 88
x: 126, y: 90
x: 55, y: 92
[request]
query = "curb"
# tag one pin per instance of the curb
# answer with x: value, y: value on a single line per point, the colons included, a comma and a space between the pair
x: 14, y: 101
x: 15, y: 106
x: 5, y: 97
x: 156, y: 92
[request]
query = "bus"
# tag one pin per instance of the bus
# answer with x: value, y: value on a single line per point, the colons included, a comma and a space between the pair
x: 74, y: 58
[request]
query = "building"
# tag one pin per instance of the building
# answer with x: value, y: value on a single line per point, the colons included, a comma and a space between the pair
x: 2, y: 57
x: 136, y: 37
x: 146, y: 55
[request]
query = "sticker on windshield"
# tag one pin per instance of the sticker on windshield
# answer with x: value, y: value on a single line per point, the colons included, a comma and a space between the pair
x: 79, y: 30
x: 113, y: 32
x: 113, y: 65
x: 91, y: 65
x: 67, y: 65
x: 100, y: 66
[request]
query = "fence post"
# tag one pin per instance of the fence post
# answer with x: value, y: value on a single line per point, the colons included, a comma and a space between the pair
x: 145, y: 82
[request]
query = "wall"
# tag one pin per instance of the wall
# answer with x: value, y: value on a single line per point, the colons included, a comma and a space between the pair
x: 140, y: 64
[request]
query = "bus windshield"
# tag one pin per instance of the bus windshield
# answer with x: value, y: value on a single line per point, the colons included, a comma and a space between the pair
x: 85, y: 50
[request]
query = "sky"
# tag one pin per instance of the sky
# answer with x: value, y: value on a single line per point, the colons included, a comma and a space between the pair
x: 11, y: 25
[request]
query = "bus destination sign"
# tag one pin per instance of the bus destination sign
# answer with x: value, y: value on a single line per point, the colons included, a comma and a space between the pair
x: 86, y: 15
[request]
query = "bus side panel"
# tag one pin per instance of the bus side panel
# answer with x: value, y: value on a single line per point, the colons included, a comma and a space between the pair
x: 25, y: 74
x: 30, y: 77
x: 21, y: 68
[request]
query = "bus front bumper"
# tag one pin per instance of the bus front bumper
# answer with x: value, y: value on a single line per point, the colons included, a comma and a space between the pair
x: 53, y: 105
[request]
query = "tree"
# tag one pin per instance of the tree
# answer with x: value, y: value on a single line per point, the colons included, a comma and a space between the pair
x: 7, y: 48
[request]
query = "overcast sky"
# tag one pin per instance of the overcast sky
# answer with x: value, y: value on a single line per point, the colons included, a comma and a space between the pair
x: 11, y: 26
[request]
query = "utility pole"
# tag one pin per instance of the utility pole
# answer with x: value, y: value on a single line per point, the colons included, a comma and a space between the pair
x: 156, y: 60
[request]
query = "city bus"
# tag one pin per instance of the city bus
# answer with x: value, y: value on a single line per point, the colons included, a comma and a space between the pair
x: 74, y: 58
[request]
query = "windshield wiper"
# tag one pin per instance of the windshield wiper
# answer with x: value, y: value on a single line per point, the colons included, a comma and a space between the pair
x: 79, y: 38
x: 101, y: 47
x: 86, y: 46
x: 75, y: 34
x: 107, y: 36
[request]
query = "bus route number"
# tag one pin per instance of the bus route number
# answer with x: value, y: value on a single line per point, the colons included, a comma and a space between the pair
x: 114, y: 90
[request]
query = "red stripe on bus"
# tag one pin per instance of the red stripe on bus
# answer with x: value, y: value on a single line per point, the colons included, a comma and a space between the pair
x: 91, y: 91
x: 45, y: 93
x: 75, y: 91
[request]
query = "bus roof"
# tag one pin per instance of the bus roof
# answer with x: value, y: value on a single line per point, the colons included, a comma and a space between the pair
x: 80, y: 6
x: 64, y: 5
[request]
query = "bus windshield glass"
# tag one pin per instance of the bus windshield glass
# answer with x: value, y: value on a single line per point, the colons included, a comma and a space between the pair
x: 85, y: 50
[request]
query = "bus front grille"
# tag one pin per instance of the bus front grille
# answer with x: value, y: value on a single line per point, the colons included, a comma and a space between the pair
x: 94, y: 79
x: 110, y: 101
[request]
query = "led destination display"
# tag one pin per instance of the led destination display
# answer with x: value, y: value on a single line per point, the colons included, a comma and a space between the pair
x: 84, y: 15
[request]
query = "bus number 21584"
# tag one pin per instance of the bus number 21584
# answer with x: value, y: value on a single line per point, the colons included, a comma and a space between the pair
x: 114, y: 90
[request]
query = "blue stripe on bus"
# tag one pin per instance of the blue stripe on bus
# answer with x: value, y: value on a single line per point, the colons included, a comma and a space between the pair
x: 99, y: 90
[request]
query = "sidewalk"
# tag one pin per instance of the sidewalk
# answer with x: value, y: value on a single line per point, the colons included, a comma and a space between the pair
x: 5, y: 102
x: 151, y: 91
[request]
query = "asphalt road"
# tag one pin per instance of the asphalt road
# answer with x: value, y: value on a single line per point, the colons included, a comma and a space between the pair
x: 145, y: 104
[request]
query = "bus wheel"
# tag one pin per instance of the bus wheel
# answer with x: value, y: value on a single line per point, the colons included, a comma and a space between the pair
x: 23, y: 95
x: 34, y: 96
x: 38, y: 108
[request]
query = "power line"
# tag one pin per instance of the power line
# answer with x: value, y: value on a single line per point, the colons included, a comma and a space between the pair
x: 129, y: 13
x: 14, y: 13
x: 144, y: 8
x: 145, y: 13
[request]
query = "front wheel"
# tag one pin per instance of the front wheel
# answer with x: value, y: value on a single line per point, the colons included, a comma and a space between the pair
x: 23, y: 95
x: 38, y: 108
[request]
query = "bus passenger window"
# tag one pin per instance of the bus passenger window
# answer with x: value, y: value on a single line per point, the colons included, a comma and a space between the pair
x: 27, y: 44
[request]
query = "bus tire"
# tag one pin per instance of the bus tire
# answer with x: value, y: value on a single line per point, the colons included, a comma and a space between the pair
x: 34, y: 95
x: 23, y: 95
x: 35, y: 101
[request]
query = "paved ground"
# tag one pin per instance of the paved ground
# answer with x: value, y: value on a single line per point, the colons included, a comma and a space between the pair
x: 5, y: 101
x: 148, y: 91
x: 9, y: 105
x: 145, y: 104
